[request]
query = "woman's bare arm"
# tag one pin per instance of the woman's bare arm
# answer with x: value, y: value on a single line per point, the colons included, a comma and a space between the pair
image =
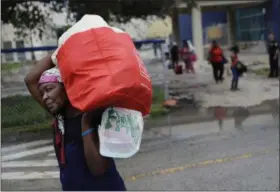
x: 32, y: 78
x: 96, y: 163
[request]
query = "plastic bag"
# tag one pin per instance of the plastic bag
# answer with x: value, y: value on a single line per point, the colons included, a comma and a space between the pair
x: 120, y: 132
x: 100, y: 67
x: 191, y: 46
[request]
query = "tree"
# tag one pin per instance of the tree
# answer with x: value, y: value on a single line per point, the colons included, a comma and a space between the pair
x: 24, y: 14
x: 28, y: 18
x: 60, y: 30
x: 121, y: 10
x: 31, y: 15
x: 13, y: 11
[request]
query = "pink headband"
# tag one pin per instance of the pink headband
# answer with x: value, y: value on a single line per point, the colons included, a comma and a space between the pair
x: 50, y: 76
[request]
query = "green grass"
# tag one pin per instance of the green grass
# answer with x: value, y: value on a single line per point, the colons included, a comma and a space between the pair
x: 261, y: 72
x: 23, y: 114
x: 157, y: 108
x: 22, y: 111
x: 36, y: 128
x: 10, y: 66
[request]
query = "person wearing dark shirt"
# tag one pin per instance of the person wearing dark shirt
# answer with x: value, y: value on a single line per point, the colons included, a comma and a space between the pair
x: 273, y: 52
x: 174, y: 55
x: 76, y: 140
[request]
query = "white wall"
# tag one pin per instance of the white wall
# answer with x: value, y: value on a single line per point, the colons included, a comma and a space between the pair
x: 49, y: 38
x: 8, y: 34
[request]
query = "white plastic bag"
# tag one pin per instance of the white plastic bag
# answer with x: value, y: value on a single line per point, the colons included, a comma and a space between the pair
x: 85, y: 23
x: 120, y: 132
x: 191, y: 46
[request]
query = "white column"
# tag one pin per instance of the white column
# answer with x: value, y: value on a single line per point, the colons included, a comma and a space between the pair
x: 197, y: 33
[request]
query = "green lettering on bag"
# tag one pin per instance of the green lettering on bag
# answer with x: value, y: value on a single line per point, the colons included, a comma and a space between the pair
x: 128, y: 122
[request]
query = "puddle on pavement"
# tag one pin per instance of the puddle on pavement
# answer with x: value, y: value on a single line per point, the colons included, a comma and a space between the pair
x: 231, y: 125
x: 219, y: 120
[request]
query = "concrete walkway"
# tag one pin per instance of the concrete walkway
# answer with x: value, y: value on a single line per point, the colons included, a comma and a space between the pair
x: 253, y: 89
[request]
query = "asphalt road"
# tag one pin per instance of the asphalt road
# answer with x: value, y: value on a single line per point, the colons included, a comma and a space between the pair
x: 199, y: 156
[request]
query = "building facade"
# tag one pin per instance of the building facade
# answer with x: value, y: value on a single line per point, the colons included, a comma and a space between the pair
x: 9, y: 40
x: 211, y: 20
x: 138, y: 29
x: 252, y: 23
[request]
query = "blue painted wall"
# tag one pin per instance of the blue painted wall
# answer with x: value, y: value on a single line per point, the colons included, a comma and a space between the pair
x: 274, y: 17
x: 272, y: 20
x: 209, y: 18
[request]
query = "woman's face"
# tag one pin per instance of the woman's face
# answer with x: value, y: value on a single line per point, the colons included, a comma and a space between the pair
x: 53, y: 96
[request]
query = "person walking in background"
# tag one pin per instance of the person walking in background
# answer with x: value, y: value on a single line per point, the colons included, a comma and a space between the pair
x: 166, y: 50
x: 273, y: 52
x: 235, y: 74
x: 155, y: 48
x: 174, y: 51
x: 159, y: 47
x: 186, y: 54
x: 216, y: 58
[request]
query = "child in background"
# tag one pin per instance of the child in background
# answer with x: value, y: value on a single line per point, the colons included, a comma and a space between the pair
x: 235, y: 75
x: 186, y: 55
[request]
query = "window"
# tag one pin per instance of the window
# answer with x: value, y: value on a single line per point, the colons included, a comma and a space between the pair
x: 21, y: 56
x: 250, y: 25
x: 9, y: 57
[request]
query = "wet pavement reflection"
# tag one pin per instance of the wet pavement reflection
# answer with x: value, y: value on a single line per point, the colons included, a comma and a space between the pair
x: 192, y: 149
x: 192, y: 122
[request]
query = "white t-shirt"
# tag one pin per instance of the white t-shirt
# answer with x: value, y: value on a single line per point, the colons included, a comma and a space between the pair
x: 166, y: 48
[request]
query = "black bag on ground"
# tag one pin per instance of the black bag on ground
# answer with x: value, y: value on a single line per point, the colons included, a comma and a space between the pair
x: 170, y: 66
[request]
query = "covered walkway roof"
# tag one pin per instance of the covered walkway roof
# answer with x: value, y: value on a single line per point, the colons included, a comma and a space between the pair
x: 205, y: 3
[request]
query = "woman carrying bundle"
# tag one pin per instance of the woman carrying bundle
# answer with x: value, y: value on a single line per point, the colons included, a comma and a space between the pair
x: 76, y: 140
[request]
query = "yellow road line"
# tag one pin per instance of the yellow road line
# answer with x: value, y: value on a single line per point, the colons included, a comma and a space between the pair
x: 194, y: 165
